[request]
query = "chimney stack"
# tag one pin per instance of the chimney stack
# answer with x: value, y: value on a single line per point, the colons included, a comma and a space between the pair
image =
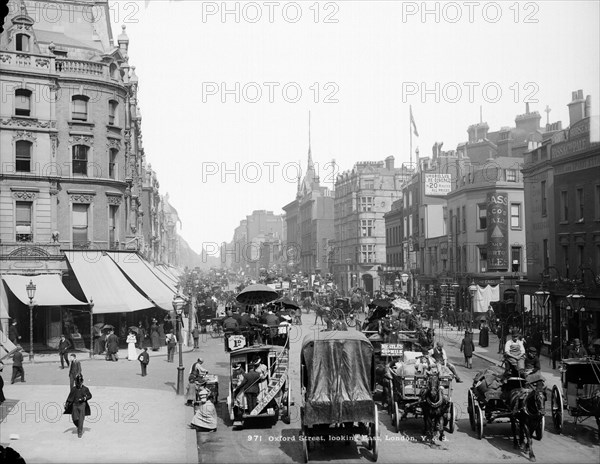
x: 389, y: 163
x: 576, y: 107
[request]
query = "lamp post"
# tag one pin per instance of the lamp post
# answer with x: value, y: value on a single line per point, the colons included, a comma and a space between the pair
x: 473, y: 291
x: 30, y: 294
x: 444, y: 295
x: 576, y: 300
x: 404, y: 277
x: 91, y: 305
x: 178, y: 303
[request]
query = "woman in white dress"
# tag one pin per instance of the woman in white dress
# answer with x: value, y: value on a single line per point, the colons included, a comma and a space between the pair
x: 131, y: 351
x: 263, y: 371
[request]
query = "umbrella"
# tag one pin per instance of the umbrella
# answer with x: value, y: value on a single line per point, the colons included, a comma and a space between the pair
x: 134, y: 328
x: 257, y: 294
x: 401, y: 303
x: 287, y: 303
x: 380, y: 303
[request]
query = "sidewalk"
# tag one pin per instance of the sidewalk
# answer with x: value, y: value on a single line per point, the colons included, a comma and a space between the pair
x: 126, y: 425
x: 85, y: 355
x: 453, y: 338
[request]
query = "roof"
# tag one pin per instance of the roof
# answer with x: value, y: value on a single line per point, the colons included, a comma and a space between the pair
x: 334, y: 335
x: 60, y: 38
x: 256, y: 349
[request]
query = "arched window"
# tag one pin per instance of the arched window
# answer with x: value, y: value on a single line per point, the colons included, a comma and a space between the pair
x: 113, y: 114
x: 114, y: 71
x: 23, y: 156
x: 112, y: 163
x: 79, y: 108
x: 22, y: 43
x: 80, y: 159
x: 22, y: 102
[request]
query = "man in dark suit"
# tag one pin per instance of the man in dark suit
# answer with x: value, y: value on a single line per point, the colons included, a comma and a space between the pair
x: 63, y: 348
x: 18, y: 366
x: 74, y: 370
x: 144, y: 359
x: 112, y: 347
x: 249, y: 385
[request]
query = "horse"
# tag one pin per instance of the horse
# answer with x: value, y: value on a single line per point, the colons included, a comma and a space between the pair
x: 435, y: 404
x: 528, y: 406
x: 591, y: 406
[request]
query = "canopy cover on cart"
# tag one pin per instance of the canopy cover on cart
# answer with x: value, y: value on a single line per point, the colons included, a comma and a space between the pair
x: 338, y: 377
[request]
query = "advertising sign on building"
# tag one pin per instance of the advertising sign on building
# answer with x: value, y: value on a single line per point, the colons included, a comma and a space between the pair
x: 438, y: 184
x: 497, y: 231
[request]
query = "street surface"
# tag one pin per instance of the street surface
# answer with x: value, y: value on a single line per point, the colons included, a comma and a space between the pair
x: 137, y: 419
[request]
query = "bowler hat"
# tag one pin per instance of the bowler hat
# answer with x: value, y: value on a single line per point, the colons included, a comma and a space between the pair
x: 533, y: 349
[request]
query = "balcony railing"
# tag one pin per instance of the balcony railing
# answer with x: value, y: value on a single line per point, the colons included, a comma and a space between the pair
x: 51, y: 64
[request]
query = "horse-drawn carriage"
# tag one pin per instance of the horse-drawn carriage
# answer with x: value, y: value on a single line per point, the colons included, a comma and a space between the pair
x: 344, y: 311
x: 581, y: 389
x: 275, y: 399
x: 520, y: 400
x: 414, y: 392
x: 337, y: 377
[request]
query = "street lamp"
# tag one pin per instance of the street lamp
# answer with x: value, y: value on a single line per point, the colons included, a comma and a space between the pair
x: 404, y: 277
x: 473, y: 291
x: 30, y: 294
x: 178, y: 303
x: 444, y: 289
x: 576, y: 300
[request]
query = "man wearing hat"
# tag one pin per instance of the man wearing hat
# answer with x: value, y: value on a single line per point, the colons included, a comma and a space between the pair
x: 426, y: 363
x: 514, y: 353
x: 196, y: 372
x: 576, y: 350
x: 532, y: 361
x: 439, y: 354
x: 249, y: 386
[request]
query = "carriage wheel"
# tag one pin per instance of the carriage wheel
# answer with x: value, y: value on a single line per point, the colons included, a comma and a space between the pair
x: 396, y: 417
x: 557, y: 409
x: 539, y: 431
x: 350, y: 320
x: 471, y: 409
x: 452, y: 420
x: 390, y: 400
x: 337, y: 313
x: 375, y: 442
x: 478, y: 421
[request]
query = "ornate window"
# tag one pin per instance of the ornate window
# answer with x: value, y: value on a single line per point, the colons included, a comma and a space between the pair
x: 22, y: 43
x: 80, y: 225
x: 367, y: 253
x: 367, y: 227
x: 79, y: 110
x: 515, y: 215
x: 113, y: 119
x: 23, y: 151
x: 112, y: 163
x: 113, y: 220
x: 24, y: 229
x: 80, y: 159
x: 22, y: 102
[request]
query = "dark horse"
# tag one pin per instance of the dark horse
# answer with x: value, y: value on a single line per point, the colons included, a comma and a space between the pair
x: 591, y: 406
x: 435, y: 406
x: 527, y: 405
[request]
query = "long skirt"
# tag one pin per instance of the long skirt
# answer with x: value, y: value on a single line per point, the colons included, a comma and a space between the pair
x: 155, y: 341
x: 131, y: 352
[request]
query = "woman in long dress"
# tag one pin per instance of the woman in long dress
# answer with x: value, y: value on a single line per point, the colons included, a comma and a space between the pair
x: 154, y: 335
x: 131, y: 351
x: 263, y: 371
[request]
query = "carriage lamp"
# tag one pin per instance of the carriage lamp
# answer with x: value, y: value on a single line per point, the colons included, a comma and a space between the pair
x: 178, y: 304
x: 576, y: 300
x: 31, y: 295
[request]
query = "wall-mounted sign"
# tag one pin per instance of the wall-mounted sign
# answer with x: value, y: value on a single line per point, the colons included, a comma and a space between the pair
x: 497, y: 231
x: 438, y: 184
x: 392, y: 349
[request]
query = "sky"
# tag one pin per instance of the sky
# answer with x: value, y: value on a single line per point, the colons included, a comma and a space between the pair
x: 225, y: 98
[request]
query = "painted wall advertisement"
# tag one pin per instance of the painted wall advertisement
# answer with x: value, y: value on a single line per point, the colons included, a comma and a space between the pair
x: 497, y: 231
x: 438, y: 184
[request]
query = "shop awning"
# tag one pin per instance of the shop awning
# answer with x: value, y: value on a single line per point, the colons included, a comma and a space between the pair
x: 49, y: 290
x: 3, y: 303
x: 101, y: 280
x: 136, y: 268
x: 164, y: 271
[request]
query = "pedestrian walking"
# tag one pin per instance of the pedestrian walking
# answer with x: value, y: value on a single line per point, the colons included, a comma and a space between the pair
x: 18, y: 366
x: 196, y: 337
x: 74, y: 370
x: 484, y: 335
x: 171, y: 345
x: 13, y: 333
x: 131, y: 341
x: 2, y: 397
x: 154, y: 336
x: 141, y: 335
x: 77, y: 404
x: 112, y: 347
x: 467, y: 347
x: 144, y: 359
x: 63, y: 351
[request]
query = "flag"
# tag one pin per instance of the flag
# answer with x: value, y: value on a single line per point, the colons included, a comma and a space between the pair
x: 412, y: 122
